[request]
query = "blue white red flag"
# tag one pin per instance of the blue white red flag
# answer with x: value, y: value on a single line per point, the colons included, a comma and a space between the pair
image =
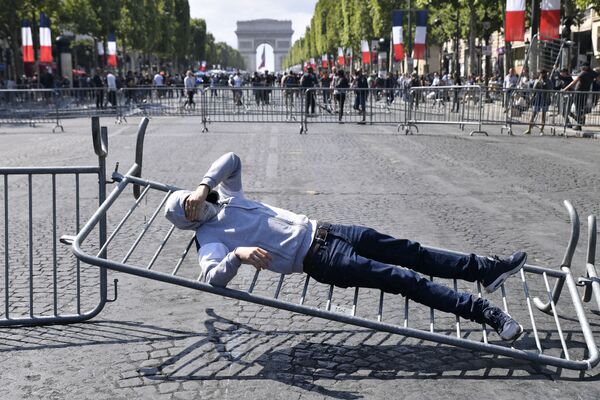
x: 550, y: 20
x: 397, y: 35
x: 27, y: 42
x: 420, y: 35
x: 45, y: 40
x: 112, y: 51
x: 514, y: 23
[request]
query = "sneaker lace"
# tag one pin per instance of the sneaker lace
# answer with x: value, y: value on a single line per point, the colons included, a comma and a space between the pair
x: 497, y: 318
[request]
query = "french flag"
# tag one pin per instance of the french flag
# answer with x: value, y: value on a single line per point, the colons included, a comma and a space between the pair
x: 325, y: 61
x: 27, y: 39
x: 397, y: 34
x: 514, y: 29
x: 420, y: 35
x: 203, y: 66
x: 112, y: 51
x: 550, y: 20
x: 313, y: 64
x: 45, y: 40
x: 100, y: 48
x: 340, y: 59
x: 366, y: 54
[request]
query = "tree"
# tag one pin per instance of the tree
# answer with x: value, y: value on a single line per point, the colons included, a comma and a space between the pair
x: 13, y: 12
x: 197, y: 43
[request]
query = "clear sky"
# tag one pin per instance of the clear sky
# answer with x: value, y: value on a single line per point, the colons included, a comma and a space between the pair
x: 221, y: 15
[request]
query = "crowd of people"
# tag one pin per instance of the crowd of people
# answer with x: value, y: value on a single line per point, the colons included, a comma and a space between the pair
x: 334, y: 85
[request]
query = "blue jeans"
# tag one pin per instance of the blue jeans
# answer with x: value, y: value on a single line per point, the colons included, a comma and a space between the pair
x: 355, y: 256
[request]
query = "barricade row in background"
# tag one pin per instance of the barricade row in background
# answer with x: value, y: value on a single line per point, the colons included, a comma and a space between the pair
x: 548, y: 111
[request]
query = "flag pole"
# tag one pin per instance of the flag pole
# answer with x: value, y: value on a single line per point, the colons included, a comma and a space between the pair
x: 391, y: 53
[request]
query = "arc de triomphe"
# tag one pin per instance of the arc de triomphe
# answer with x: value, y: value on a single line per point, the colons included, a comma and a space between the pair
x: 252, y: 34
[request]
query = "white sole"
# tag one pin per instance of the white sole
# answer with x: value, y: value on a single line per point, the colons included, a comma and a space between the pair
x: 516, y: 336
x: 500, y: 279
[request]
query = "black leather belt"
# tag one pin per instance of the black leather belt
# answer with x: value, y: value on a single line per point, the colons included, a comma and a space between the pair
x: 318, y: 241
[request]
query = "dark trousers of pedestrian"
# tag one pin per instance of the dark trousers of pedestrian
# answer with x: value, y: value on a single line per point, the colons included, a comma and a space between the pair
x: 190, y: 99
x: 341, y: 98
x: 310, y: 102
x: 355, y: 256
x: 455, y: 100
x: 360, y: 103
x: 326, y: 97
x: 112, y: 98
x: 99, y: 98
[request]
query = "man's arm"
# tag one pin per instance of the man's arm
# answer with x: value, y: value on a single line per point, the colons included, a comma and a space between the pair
x: 570, y: 85
x: 227, y: 171
x: 219, y: 265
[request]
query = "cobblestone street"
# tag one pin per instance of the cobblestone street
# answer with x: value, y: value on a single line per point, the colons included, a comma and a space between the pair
x: 441, y: 187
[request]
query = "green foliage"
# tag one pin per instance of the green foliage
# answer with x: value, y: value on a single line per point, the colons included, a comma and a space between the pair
x: 152, y: 27
x: 346, y: 22
x: 583, y: 4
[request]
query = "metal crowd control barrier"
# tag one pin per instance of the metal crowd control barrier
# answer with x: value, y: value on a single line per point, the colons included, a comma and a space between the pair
x: 254, y: 104
x: 446, y: 105
x: 536, y: 108
x: 41, y: 285
x: 31, y: 107
x: 556, y: 340
x: 378, y: 106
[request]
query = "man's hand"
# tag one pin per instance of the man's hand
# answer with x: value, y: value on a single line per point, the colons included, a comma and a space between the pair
x: 259, y: 258
x: 194, y: 203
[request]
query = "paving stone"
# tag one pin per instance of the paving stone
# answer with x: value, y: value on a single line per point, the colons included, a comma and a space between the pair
x: 168, y: 387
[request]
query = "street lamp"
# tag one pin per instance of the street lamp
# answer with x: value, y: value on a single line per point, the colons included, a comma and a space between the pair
x: 486, y: 37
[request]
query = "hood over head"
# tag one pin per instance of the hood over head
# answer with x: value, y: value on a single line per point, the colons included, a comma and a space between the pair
x: 175, y: 212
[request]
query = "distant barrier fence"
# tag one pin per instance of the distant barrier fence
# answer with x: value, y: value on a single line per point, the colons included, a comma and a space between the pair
x: 462, y: 106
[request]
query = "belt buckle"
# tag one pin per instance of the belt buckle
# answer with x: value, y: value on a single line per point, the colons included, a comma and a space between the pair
x: 322, y: 233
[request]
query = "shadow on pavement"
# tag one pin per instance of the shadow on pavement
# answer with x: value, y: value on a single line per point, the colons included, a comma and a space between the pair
x: 310, y: 360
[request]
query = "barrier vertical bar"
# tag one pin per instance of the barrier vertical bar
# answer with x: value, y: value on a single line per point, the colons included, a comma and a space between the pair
x: 102, y: 152
x: 329, y: 297
x: 30, y: 197
x: 380, y: 314
x: 6, y: 266
x: 370, y: 94
x: 183, y: 256
x: 203, y: 110
x: 457, y: 317
x: 355, y: 301
x: 77, y: 226
x: 431, y: 314
x: 303, y: 296
x: 54, y: 260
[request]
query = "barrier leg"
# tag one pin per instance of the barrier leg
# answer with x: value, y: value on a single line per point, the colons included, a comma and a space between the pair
x: 566, y: 262
x: 591, y: 282
x: 58, y: 125
x: 479, y: 129
x: 204, y: 111
x: 303, y: 112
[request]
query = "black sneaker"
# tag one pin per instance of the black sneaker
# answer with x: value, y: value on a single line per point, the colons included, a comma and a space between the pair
x: 503, y: 324
x: 499, y: 269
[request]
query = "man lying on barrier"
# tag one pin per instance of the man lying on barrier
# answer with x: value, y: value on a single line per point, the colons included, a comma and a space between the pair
x: 231, y: 230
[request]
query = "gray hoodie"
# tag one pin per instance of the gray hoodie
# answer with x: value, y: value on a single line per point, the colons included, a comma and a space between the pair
x: 240, y: 222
